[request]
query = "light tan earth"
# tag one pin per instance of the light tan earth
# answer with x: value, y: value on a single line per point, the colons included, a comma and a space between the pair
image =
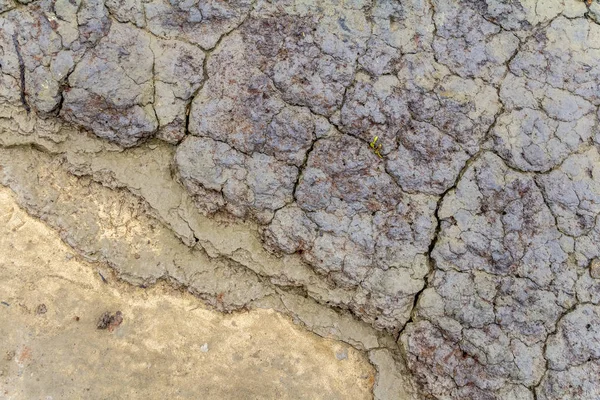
x: 159, y: 351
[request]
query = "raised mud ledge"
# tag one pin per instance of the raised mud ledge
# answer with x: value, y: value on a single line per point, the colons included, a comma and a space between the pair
x: 94, y: 195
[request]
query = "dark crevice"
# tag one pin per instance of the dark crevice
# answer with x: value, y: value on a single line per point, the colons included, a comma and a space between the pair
x: 591, y: 16
x: 437, y: 231
x: 21, y: 72
x: 205, y: 76
x: 302, y: 168
x: 436, y: 236
x: 64, y: 85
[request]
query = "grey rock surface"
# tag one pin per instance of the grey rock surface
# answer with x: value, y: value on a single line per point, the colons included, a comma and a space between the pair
x: 111, y: 89
x: 428, y: 171
x: 502, y: 281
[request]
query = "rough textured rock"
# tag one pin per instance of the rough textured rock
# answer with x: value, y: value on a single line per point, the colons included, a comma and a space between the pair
x: 428, y: 121
x: 501, y: 282
x: 573, y: 356
x: 360, y: 229
x: 573, y: 192
x: 174, y: 59
x: 470, y: 44
x: 428, y: 168
x: 111, y: 89
x: 550, y: 96
x: 198, y: 22
x: 219, y: 176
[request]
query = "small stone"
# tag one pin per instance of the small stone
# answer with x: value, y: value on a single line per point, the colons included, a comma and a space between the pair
x: 204, y: 348
x: 341, y: 354
x: 110, y: 322
x: 41, y: 309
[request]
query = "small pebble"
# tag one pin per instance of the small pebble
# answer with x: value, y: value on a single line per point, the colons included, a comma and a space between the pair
x: 41, y: 309
x: 341, y: 354
x: 204, y: 348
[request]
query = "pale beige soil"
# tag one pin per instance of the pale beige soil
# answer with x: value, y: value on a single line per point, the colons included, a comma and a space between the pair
x: 157, y: 352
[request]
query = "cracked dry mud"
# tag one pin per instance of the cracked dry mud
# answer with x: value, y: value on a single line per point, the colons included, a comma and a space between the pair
x: 225, y: 147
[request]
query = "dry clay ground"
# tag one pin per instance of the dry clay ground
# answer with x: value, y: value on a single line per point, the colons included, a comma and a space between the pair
x: 418, y: 179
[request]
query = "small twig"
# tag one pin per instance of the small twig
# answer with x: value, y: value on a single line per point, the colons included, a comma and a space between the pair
x: 376, y: 148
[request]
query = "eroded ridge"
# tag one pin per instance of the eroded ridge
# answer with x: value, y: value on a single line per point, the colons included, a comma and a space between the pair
x: 470, y: 233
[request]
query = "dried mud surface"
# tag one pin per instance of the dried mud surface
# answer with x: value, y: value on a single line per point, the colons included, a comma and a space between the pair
x: 417, y: 179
